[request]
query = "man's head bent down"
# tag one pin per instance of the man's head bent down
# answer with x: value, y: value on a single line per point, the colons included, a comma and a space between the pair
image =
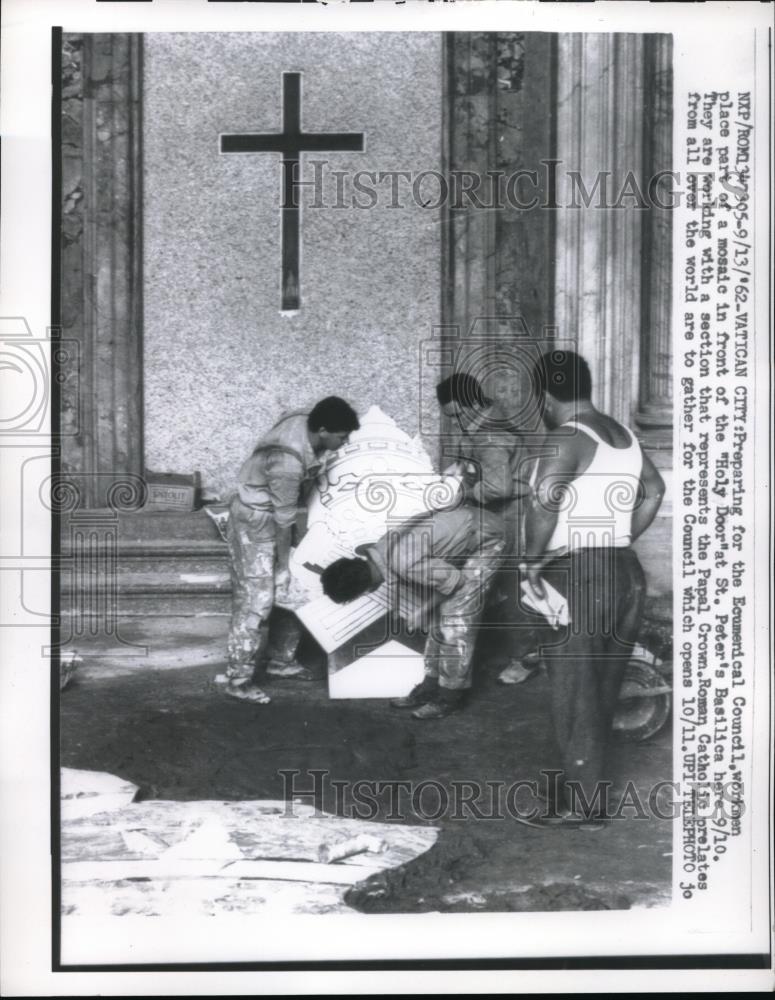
x: 346, y: 579
x: 331, y: 421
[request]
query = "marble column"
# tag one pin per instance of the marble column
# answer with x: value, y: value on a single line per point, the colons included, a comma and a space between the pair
x: 497, y: 262
x: 613, y: 275
x: 101, y: 285
x: 600, y: 126
x: 655, y: 412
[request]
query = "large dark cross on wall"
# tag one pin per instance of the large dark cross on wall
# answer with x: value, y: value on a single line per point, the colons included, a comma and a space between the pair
x: 291, y: 143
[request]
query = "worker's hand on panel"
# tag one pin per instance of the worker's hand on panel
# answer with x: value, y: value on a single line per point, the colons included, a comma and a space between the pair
x: 533, y: 576
x: 282, y: 581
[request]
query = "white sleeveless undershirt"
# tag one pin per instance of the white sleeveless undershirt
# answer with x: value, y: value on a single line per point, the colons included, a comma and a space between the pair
x: 596, y: 509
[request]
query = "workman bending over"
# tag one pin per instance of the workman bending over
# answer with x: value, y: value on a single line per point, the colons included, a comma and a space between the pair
x: 273, y: 484
x: 451, y: 555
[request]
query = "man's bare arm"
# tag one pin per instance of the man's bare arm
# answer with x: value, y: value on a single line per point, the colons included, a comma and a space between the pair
x: 282, y: 555
x: 555, y: 473
x: 651, y: 490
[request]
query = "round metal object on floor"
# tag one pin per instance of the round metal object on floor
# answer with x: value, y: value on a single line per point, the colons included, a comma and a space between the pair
x: 644, y: 703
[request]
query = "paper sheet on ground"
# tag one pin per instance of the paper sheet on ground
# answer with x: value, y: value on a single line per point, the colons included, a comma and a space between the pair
x: 553, y: 607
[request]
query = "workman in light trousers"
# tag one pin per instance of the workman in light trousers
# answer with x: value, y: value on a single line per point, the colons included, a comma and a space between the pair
x: 273, y: 484
x: 451, y: 556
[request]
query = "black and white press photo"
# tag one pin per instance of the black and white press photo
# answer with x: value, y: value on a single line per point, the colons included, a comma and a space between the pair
x: 400, y: 379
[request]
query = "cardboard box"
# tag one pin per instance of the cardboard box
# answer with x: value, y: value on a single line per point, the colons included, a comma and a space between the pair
x: 171, y: 491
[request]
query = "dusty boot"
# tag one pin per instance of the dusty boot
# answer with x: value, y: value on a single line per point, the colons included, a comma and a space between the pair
x: 246, y: 691
x: 419, y: 694
x: 444, y: 703
x: 516, y: 672
x: 289, y: 668
x: 557, y: 811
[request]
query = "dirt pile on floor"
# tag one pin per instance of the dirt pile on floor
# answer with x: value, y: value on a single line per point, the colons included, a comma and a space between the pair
x: 436, y: 881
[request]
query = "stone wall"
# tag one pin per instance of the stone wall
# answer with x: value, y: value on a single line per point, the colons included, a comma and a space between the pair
x: 220, y: 361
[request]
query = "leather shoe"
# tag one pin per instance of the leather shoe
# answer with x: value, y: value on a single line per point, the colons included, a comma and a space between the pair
x: 445, y: 703
x: 419, y: 694
x: 516, y: 673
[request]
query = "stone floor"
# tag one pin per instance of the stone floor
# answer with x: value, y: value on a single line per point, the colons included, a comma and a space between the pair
x: 150, y: 643
x: 147, y: 709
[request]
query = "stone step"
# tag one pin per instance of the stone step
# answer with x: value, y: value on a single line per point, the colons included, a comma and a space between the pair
x: 150, y: 526
x: 181, y: 565
x: 90, y: 610
x: 150, y: 580
x: 160, y: 549
x: 162, y: 563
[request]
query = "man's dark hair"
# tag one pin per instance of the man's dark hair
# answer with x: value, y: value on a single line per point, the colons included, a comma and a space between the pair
x: 563, y: 374
x: 334, y: 414
x: 346, y: 579
x: 461, y: 388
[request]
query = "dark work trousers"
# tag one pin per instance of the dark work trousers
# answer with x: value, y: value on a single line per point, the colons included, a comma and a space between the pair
x: 605, y: 589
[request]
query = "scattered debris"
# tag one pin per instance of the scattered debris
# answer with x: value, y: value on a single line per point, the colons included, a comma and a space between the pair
x: 173, y: 858
x: 84, y: 793
x: 328, y: 853
x: 68, y: 664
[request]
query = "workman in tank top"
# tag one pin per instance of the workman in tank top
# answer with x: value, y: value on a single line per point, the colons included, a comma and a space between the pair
x: 594, y: 492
